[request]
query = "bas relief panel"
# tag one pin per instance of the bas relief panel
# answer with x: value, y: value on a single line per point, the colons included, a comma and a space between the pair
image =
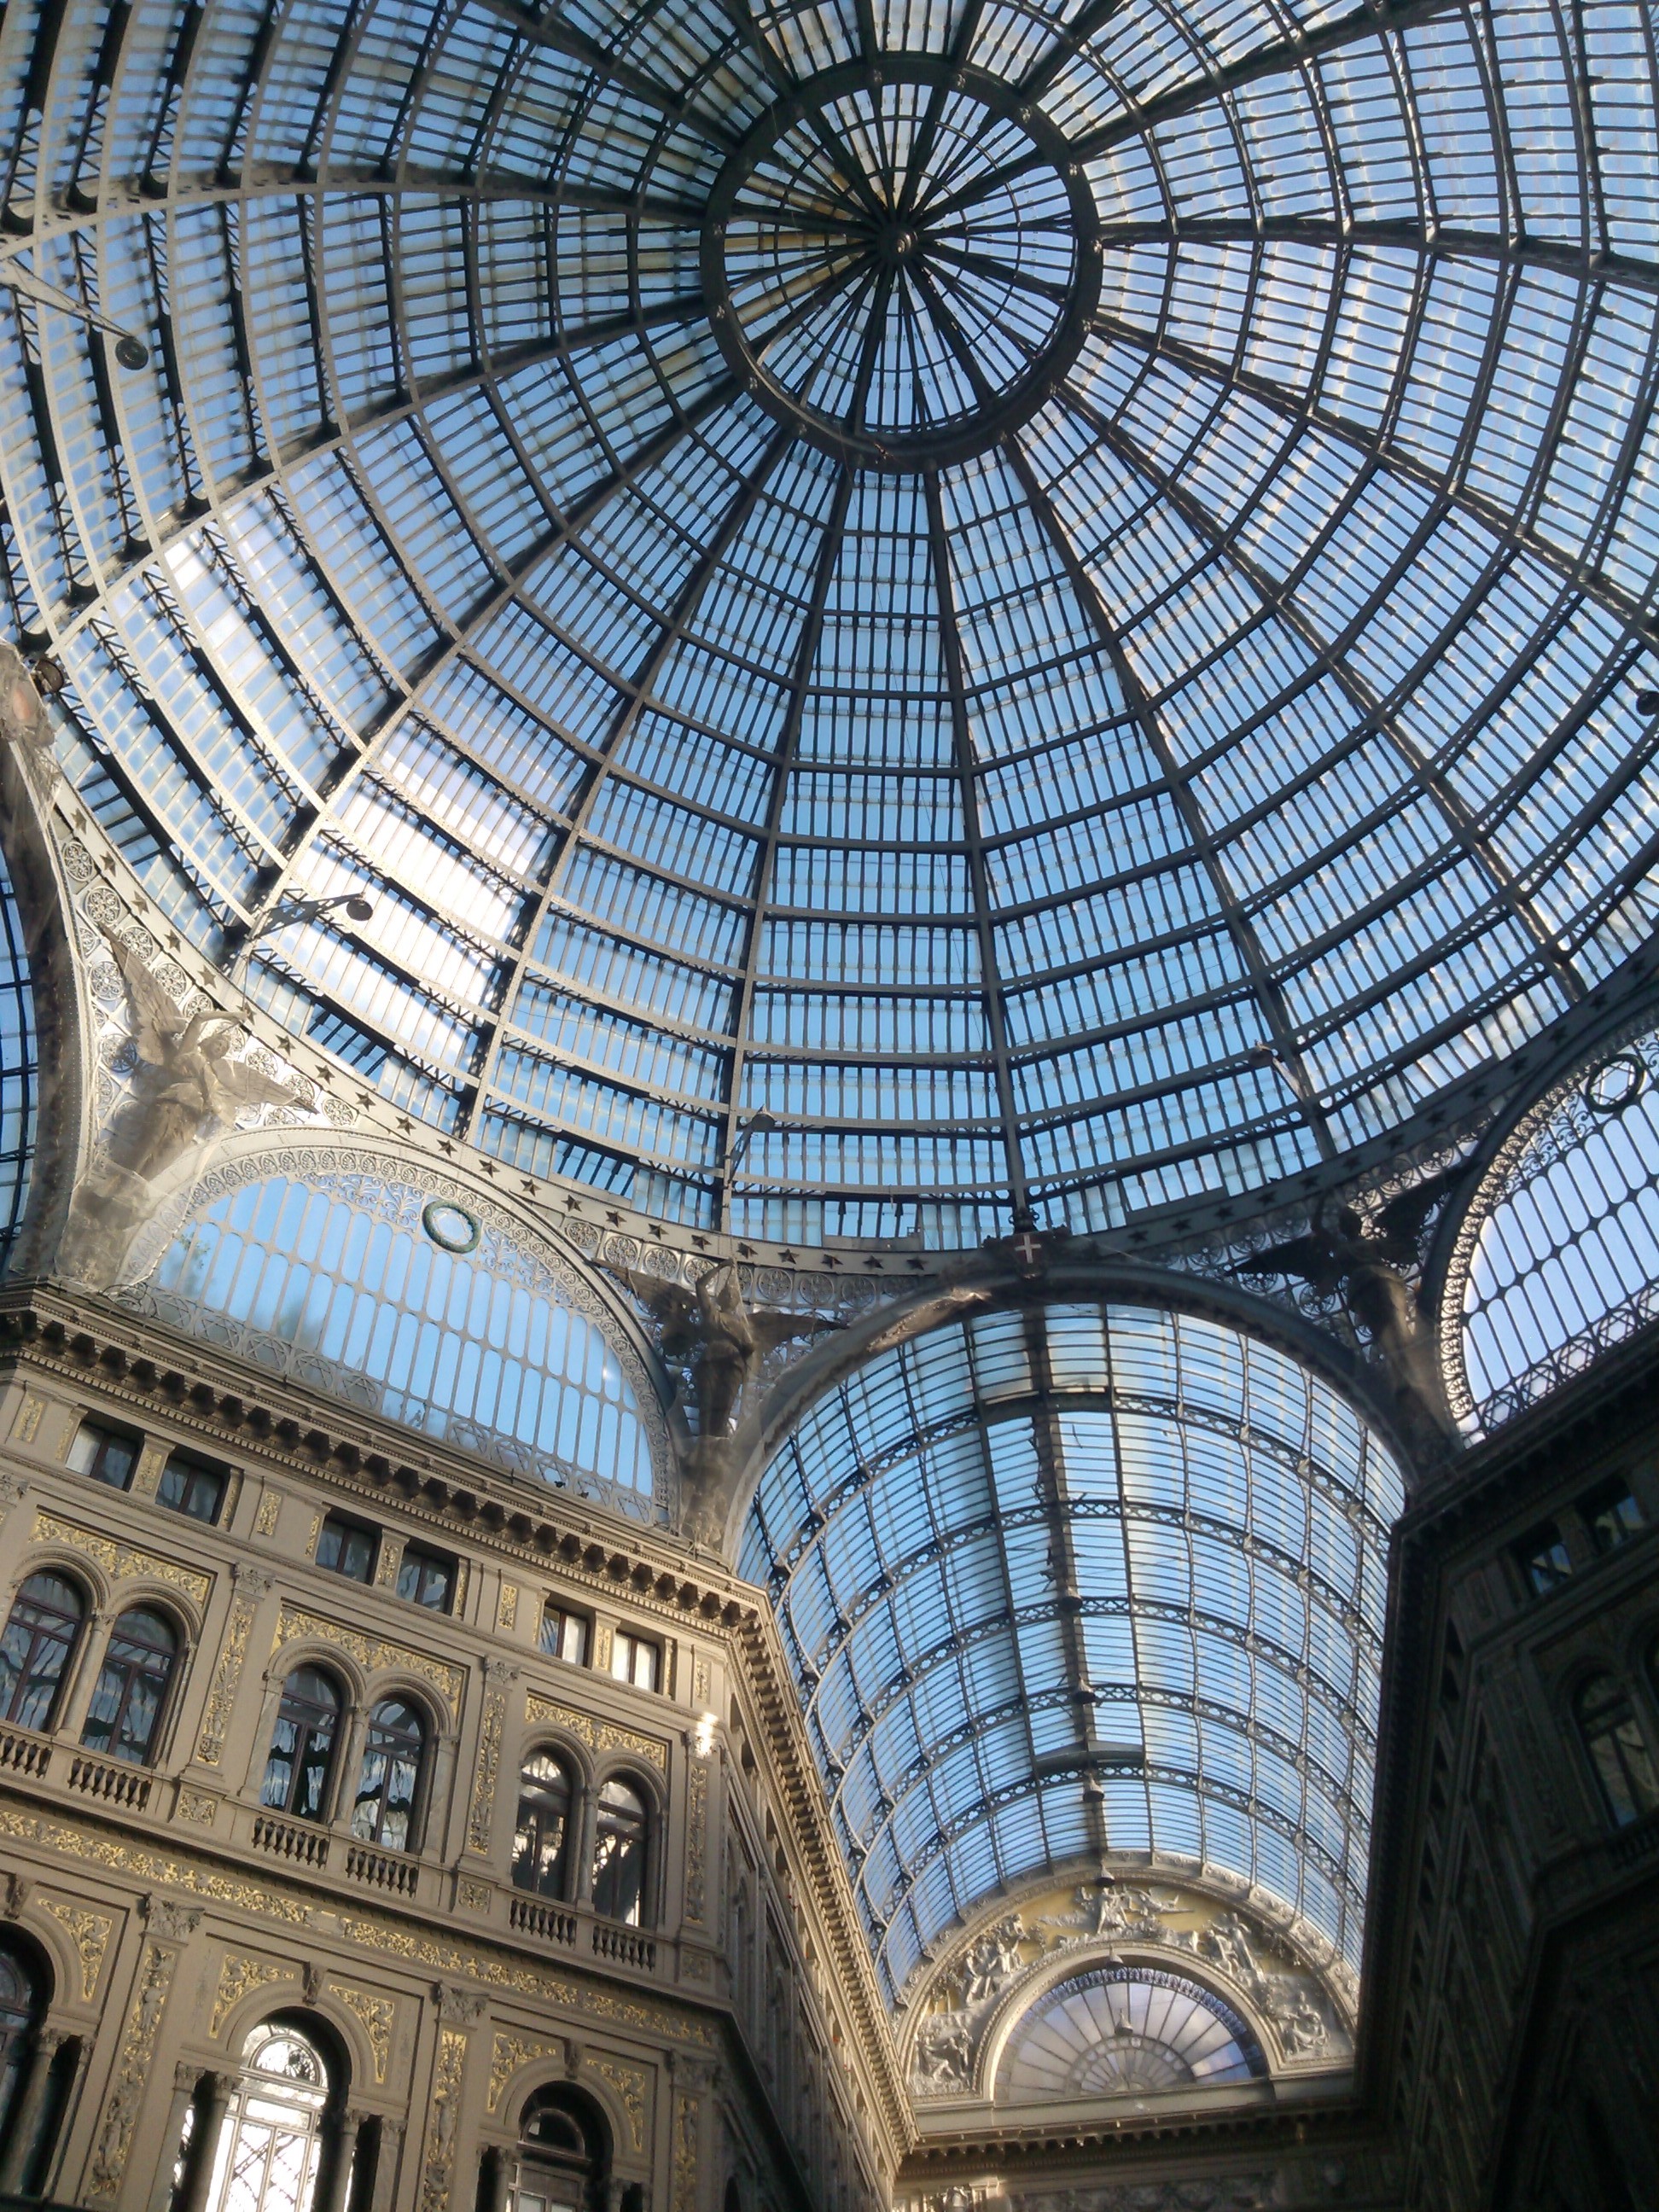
x: 979, y: 1985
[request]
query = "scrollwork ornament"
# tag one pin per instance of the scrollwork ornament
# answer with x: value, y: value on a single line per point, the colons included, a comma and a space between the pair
x: 89, y: 1932
x: 377, y: 2017
x: 489, y: 1770
x: 598, y: 1735
x: 440, y: 2165
x: 125, y: 2101
x: 238, y: 1976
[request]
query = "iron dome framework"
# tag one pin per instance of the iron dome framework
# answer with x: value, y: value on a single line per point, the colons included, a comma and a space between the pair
x: 1074, y: 1580
x: 1045, y: 591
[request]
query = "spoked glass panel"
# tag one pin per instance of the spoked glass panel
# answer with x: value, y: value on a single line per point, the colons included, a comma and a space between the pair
x: 267, y: 2157
x: 1127, y: 2031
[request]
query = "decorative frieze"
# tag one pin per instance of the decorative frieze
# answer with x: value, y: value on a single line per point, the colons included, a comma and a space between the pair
x: 374, y: 1653
x: 238, y: 1976
x: 120, y: 1561
x: 598, y: 1735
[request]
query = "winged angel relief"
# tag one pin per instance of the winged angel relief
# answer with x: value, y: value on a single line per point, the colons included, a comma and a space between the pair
x: 186, y: 1090
x: 1365, y: 1264
x: 710, y: 1330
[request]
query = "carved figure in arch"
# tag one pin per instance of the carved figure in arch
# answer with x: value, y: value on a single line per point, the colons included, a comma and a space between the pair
x: 722, y: 1340
x: 945, y: 2053
x: 25, y: 687
x: 991, y: 1959
x: 1227, y: 1940
x: 1361, y: 1263
x: 185, y: 1089
x: 1300, y: 2030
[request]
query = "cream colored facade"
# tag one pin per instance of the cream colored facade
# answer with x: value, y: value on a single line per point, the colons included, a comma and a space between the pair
x: 731, y: 2036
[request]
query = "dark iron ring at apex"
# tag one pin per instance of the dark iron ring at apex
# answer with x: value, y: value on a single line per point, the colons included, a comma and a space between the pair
x: 986, y: 425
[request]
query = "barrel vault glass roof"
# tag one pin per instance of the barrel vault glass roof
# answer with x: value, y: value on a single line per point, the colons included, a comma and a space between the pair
x: 1093, y: 1579
x: 1045, y: 588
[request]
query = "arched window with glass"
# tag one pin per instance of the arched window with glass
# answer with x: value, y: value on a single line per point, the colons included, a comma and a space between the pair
x: 300, y: 1762
x: 389, y: 1778
x: 269, y: 2143
x: 620, y: 1843
x: 1618, y: 1751
x: 20, y: 2013
x: 563, y: 2155
x: 35, y: 1649
x: 541, y: 1834
x: 132, y: 1690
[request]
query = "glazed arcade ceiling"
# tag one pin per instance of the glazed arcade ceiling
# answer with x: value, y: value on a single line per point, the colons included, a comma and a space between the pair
x: 1050, y: 594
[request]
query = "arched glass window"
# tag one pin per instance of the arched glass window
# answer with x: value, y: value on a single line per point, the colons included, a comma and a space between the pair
x: 132, y: 1686
x: 1612, y: 1737
x: 19, y: 2004
x: 266, y: 2157
x: 1127, y: 2032
x: 384, y: 1812
x: 35, y: 1648
x: 619, y: 1846
x: 561, y: 2155
x: 541, y: 1835
x: 302, y: 1746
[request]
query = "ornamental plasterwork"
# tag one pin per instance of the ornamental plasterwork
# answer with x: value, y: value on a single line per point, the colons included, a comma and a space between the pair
x: 373, y: 1653
x: 396, y: 1189
x: 238, y: 1976
x: 629, y: 2084
x: 377, y: 2015
x: 120, y: 1561
x: 987, y: 1977
x: 598, y: 1735
x: 509, y: 2052
x: 89, y: 1932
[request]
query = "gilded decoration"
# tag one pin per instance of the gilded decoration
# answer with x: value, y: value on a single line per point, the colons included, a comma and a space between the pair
x: 27, y: 1426
x: 509, y: 2052
x: 697, y: 1839
x: 598, y: 1735
x: 127, y: 2098
x: 89, y: 1932
x: 507, y: 1608
x: 196, y: 1805
x: 373, y: 1653
x: 237, y: 1978
x: 446, y: 2120
x: 379, y: 2016
x: 393, y: 1939
x: 391, y: 1559
x: 151, y: 1461
x: 629, y: 2083
x: 271, y: 1506
x: 685, y: 2153
x: 490, y: 1763
x: 210, y: 1743
x: 119, y: 1561
x: 476, y: 1896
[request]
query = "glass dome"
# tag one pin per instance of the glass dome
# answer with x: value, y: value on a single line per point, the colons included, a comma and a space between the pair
x: 1048, y: 592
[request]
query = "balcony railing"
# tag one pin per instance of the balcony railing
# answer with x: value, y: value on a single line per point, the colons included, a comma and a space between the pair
x: 533, y: 1915
x: 116, y: 1784
x: 23, y: 1752
x: 288, y: 1839
x: 625, y: 1944
x: 390, y: 1871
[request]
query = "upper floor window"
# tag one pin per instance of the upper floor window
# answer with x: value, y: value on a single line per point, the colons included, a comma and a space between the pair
x: 1613, y: 1736
x: 619, y: 1848
x: 346, y: 1548
x: 301, y: 1755
x: 564, y: 1635
x: 542, y: 1833
x: 190, y: 1486
x: 426, y: 1578
x: 19, y: 2006
x: 1611, y: 1515
x: 131, y: 1688
x: 39, y: 1636
x: 107, y: 1455
x: 635, y: 1659
x: 1544, y: 1559
x: 383, y: 1811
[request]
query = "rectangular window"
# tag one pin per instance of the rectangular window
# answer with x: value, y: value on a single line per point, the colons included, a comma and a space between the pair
x: 426, y: 1578
x: 564, y: 1635
x: 1544, y: 1559
x: 107, y: 1455
x: 190, y: 1486
x: 1611, y: 1515
x: 346, y: 1549
x: 634, y: 1659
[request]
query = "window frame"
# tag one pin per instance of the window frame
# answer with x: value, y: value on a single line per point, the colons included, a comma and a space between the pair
x: 1622, y: 1731
x: 568, y: 1619
x: 425, y: 1556
x: 424, y: 1732
x: 108, y: 1433
x: 134, y: 1671
x: 286, y: 1810
x: 636, y: 1642
x: 643, y: 1913
x: 577, y: 1792
x: 194, y: 1467
x: 68, y: 1666
x: 347, y: 1525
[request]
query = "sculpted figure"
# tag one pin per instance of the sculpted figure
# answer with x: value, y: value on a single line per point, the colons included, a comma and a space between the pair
x: 1360, y: 1262
x: 185, y: 1089
x: 990, y: 1959
x: 944, y: 2053
x: 712, y: 1331
x: 1300, y: 2030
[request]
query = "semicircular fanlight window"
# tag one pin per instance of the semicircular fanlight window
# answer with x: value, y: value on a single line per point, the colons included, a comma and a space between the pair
x: 1090, y: 1577
x: 1562, y: 1258
x: 342, y: 1283
x: 1121, y: 2031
